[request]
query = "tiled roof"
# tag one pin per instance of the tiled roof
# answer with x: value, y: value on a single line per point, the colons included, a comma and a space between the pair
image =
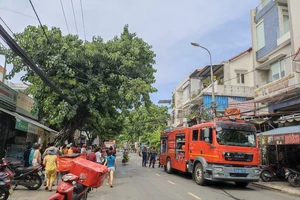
x: 235, y: 57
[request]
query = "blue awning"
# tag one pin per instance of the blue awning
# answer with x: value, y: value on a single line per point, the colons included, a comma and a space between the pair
x: 282, y: 130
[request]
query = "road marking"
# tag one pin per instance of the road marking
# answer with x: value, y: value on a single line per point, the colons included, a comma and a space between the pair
x: 171, y: 182
x: 196, y: 197
x: 157, y: 175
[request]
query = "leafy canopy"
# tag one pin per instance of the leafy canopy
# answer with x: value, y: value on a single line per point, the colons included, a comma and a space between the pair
x: 104, y: 79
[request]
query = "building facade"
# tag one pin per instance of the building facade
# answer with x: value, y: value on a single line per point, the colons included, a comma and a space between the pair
x: 276, y: 40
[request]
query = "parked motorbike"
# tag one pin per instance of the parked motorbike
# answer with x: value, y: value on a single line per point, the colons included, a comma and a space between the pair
x: 293, y: 177
x: 70, y: 189
x: 30, y: 177
x: 272, y: 172
x: 5, y: 187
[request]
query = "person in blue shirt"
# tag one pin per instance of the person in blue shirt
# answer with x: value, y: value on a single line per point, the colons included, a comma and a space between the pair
x: 111, y: 165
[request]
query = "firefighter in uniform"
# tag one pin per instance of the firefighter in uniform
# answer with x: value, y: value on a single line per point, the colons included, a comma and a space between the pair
x: 152, y: 157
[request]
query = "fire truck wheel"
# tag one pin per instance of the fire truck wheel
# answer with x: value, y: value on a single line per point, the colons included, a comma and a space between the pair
x: 198, y: 175
x: 168, y: 166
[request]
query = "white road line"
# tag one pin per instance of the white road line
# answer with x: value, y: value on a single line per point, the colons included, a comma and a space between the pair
x: 196, y: 197
x: 171, y: 182
x: 157, y: 174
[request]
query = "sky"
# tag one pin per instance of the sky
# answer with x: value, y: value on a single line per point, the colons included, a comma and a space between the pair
x: 222, y: 26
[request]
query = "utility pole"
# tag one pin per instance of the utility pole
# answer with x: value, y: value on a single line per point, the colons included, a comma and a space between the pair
x: 213, y: 103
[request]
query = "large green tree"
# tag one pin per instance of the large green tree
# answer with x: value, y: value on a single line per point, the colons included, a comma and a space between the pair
x: 103, y: 79
x: 146, y: 124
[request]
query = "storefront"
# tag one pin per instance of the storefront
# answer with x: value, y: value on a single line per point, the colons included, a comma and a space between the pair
x: 281, y: 145
x: 8, y: 99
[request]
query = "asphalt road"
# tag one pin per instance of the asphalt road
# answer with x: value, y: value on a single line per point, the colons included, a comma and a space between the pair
x: 135, y: 183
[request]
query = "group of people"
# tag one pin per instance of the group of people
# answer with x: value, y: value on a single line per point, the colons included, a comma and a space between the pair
x: 34, y: 157
x: 148, y: 154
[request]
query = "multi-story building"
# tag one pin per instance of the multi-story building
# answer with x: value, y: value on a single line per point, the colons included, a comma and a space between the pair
x: 180, y: 98
x: 234, y: 79
x: 275, y: 41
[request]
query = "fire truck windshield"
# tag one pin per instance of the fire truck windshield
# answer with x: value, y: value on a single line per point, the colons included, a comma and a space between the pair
x: 236, y: 138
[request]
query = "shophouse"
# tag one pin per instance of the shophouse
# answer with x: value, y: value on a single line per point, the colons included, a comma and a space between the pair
x: 233, y: 81
x: 276, y: 42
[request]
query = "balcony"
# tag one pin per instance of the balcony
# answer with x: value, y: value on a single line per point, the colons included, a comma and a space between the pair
x: 262, y: 5
x: 283, y: 33
x: 230, y: 90
x: 179, y: 103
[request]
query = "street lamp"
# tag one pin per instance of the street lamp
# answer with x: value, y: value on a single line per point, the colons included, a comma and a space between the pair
x: 211, y: 79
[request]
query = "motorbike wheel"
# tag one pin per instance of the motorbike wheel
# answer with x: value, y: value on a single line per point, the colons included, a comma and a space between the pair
x: 3, y: 194
x: 294, y: 180
x: 38, y: 182
x: 264, y: 177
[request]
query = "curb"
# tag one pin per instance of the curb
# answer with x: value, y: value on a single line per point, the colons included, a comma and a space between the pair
x: 273, y: 189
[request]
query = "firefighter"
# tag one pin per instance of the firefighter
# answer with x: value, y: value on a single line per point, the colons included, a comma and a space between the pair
x: 144, y: 154
x: 152, y: 157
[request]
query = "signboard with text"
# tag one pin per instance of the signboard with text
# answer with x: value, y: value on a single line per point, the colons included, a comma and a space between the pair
x: 25, y: 102
x: 277, y: 87
x: 21, y: 125
x: 7, y: 95
x: 281, y: 139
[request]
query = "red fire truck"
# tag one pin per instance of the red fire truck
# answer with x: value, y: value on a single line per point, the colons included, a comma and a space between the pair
x: 213, y: 151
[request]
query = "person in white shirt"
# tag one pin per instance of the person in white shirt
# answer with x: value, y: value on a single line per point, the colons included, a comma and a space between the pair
x: 98, y: 156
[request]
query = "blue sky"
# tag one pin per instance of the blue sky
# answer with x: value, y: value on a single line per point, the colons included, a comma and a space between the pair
x: 222, y: 26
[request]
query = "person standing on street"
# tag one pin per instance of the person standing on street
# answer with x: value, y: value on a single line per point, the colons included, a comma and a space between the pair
x: 98, y: 156
x: 26, y: 156
x: 111, y: 165
x: 152, y: 157
x: 144, y: 154
x: 50, y: 162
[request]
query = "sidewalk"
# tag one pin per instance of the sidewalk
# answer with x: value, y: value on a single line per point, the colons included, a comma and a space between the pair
x: 22, y: 193
x: 278, y: 186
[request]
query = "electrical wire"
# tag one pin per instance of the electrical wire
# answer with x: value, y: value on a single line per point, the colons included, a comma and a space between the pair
x: 7, y: 26
x: 63, y: 10
x: 16, y: 12
x: 39, y: 21
x: 74, y: 16
x: 82, y: 19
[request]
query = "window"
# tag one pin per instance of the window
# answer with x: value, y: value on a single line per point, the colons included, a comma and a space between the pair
x: 202, y: 135
x: 277, y: 70
x: 195, y: 135
x: 260, y: 35
x: 240, y: 78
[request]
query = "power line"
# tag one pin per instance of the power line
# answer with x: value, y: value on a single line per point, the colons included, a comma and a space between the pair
x: 7, y: 26
x: 39, y: 21
x: 82, y: 19
x: 16, y: 12
x: 74, y: 16
x: 62, y: 7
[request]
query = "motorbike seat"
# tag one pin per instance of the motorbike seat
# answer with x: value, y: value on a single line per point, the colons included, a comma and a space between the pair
x: 78, y: 188
x: 24, y: 169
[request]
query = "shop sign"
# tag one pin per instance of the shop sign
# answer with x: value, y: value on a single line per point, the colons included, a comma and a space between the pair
x: 281, y: 139
x: 25, y: 102
x: 41, y: 131
x: 33, y: 129
x: 8, y: 95
x: 276, y: 87
x: 21, y: 125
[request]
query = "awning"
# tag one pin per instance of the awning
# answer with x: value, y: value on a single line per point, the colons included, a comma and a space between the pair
x: 17, y: 116
x: 283, y: 130
x: 34, y: 123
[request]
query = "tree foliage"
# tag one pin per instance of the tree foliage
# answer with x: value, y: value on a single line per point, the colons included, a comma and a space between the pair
x: 104, y: 79
x: 145, y: 124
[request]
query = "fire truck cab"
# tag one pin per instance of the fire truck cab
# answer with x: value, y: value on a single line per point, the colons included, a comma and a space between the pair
x: 213, y: 151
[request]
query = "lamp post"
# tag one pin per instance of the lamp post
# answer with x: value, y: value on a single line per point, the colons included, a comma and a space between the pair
x: 211, y: 79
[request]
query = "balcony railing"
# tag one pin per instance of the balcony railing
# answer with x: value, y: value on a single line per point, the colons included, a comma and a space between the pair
x: 283, y: 29
x: 262, y: 5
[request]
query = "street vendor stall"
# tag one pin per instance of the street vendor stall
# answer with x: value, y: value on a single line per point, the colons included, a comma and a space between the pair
x: 281, y: 144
